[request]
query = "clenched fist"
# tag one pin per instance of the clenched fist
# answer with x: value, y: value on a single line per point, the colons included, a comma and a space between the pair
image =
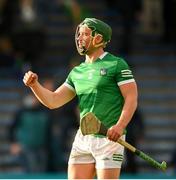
x: 30, y: 78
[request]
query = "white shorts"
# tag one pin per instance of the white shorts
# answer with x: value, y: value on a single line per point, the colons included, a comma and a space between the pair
x: 101, y: 151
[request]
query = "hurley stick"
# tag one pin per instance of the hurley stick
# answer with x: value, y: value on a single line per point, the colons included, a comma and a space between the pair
x: 90, y: 124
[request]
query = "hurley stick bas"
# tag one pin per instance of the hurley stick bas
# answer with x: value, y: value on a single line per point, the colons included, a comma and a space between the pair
x: 90, y: 124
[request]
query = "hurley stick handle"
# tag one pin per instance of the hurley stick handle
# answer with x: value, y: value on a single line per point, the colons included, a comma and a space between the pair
x: 103, y: 130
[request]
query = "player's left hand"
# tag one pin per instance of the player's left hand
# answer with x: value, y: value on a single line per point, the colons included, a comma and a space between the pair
x: 115, y: 132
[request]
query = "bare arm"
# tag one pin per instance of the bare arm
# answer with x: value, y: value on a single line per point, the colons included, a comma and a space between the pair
x: 52, y: 100
x: 129, y: 92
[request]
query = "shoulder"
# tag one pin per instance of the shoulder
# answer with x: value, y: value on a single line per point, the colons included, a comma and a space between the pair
x: 112, y: 57
x: 119, y: 61
x: 78, y: 68
x: 75, y: 71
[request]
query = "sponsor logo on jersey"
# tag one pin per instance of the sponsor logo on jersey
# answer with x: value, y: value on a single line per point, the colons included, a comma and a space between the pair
x: 103, y: 71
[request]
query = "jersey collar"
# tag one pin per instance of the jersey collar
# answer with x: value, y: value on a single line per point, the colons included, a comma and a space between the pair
x: 103, y: 55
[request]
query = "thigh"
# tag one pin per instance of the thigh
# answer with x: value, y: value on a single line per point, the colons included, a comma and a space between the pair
x: 81, y: 171
x: 112, y: 173
x: 80, y: 152
x: 108, y: 154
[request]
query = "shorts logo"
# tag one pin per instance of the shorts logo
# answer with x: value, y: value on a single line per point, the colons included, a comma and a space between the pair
x: 103, y: 71
x: 106, y: 159
x: 117, y: 157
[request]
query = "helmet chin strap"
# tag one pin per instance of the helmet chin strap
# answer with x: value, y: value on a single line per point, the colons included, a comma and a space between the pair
x: 102, y: 43
x: 98, y: 45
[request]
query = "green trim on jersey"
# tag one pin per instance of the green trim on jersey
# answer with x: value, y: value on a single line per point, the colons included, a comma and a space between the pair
x: 97, y: 87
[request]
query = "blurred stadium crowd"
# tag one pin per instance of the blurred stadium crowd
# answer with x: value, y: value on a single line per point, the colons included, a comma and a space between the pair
x: 39, y: 35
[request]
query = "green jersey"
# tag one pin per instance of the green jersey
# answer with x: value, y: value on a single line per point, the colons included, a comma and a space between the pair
x: 97, y: 87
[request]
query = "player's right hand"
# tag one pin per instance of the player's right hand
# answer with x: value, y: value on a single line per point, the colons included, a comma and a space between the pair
x: 30, y: 78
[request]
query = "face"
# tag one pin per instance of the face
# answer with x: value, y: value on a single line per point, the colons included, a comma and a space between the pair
x: 85, y: 42
x: 84, y: 37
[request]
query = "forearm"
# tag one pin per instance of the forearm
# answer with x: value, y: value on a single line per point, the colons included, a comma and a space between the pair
x: 52, y: 100
x: 55, y: 99
x: 116, y: 131
x: 45, y: 96
x: 128, y: 110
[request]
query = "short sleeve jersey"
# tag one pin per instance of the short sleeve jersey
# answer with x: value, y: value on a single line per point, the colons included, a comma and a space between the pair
x: 97, y: 87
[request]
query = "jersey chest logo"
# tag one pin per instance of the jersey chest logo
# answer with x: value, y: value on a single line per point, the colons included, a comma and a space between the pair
x: 103, y: 71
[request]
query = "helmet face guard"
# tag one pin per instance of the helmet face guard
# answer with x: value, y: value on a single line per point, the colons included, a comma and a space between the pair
x: 83, y: 50
x: 97, y: 27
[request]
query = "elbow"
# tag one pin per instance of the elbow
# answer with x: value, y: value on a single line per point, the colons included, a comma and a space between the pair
x: 51, y: 104
x: 51, y: 107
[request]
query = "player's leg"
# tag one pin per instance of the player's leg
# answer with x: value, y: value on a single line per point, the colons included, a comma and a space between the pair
x: 81, y: 171
x: 109, y: 157
x: 112, y: 173
x: 81, y: 163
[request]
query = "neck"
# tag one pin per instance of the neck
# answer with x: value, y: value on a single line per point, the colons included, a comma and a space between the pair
x: 90, y: 58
